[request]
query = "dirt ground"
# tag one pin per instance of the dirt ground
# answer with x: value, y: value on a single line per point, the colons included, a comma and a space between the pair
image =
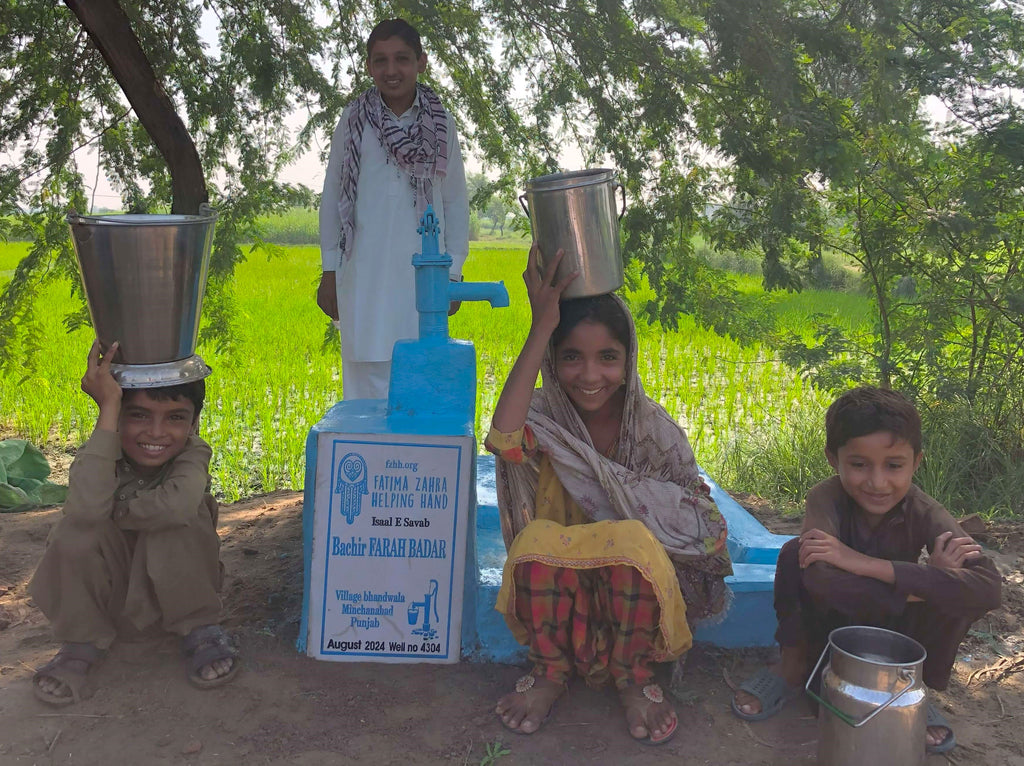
x: 288, y: 709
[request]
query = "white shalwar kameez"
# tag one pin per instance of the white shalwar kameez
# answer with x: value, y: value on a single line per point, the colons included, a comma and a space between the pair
x: 375, y: 284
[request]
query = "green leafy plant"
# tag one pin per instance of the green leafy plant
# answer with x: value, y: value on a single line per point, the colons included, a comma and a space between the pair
x: 492, y: 752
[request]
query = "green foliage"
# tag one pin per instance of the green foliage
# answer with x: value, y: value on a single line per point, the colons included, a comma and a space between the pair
x: 786, y: 92
x: 754, y: 422
x: 839, y: 157
x: 275, y: 381
x: 295, y: 226
x: 784, y: 128
x: 967, y: 463
x: 937, y: 233
x: 783, y: 456
x: 493, y: 752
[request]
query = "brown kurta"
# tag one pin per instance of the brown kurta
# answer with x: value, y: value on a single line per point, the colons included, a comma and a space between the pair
x: 131, y: 552
x: 812, y: 602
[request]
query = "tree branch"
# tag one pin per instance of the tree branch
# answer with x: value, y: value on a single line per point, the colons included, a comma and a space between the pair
x: 111, y: 32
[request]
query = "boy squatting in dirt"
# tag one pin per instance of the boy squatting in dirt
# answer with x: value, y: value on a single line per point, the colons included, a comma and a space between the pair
x: 136, y: 550
x: 856, y: 560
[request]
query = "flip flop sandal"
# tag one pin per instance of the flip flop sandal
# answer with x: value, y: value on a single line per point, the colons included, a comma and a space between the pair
x: 770, y: 690
x: 935, y: 718
x: 76, y: 681
x: 206, y: 645
x: 652, y: 694
x: 523, y: 685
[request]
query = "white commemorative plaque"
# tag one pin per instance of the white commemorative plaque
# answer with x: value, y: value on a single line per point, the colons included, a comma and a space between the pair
x: 389, y: 547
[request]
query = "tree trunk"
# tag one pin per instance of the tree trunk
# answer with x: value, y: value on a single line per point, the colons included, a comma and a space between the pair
x: 111, y: 32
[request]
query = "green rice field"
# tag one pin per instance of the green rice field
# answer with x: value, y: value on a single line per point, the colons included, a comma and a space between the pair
x: 277, y: 380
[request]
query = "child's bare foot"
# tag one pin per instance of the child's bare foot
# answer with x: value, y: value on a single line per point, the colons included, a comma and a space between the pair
x: 649, y: 715
x: 525, y: 709
x: 64, y: 679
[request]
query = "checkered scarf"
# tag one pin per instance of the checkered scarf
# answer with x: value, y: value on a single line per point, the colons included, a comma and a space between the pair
x: 421, y: 151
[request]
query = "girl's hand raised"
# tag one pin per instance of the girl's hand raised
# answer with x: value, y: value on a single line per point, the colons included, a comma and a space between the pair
x: 544, y: 292
x: 514, y: 403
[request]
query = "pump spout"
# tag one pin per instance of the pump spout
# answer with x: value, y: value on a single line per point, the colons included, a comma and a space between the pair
x: 492, y: 292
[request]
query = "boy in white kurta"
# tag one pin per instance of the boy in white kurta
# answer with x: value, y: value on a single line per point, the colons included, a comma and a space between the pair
x: 394, y: 151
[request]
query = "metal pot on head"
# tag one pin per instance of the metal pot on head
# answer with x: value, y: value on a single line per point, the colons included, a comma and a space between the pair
x: 577, y: 212
x: 144, y: 278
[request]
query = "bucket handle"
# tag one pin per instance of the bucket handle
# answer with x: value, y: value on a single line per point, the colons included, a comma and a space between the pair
x: 522, y: 202
x: 622, y: 189
x: 904, y: 674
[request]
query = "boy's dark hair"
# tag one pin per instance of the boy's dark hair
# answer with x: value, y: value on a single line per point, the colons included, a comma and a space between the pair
x: 395, y: 28
x: 602, y: 309
x: 867, y: 410
x: 195, y: 392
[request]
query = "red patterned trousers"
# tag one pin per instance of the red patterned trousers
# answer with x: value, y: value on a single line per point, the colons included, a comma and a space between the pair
x: 601, y: 621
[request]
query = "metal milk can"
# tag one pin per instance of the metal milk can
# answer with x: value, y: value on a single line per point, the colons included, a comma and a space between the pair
x: 873, y: 703
x: 577, y: 212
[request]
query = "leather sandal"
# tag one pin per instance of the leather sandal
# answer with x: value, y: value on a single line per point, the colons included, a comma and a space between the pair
x: 204, y: 646
x: 75, y: 680
x: 770, y: 690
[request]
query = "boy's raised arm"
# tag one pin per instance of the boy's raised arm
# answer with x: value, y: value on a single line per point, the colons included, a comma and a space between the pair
x: 101, y: 387
x: 92, y: 480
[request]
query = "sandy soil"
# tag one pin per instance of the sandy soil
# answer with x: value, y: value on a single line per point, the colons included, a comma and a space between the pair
x: 288, y: 709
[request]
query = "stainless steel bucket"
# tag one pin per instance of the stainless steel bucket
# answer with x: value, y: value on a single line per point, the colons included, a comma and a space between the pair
x: 577, y: 212
x: 873, y: 704
x: 144, y: 278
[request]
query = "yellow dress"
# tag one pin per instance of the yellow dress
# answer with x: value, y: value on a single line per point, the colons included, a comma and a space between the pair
x: 562, y: 536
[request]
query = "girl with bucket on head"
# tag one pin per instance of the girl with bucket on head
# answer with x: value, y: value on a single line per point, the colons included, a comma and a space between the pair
x: 615, y: 545
x: 856, y: 560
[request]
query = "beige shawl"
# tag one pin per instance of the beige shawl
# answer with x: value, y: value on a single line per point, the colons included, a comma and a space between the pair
x: 653, y: 478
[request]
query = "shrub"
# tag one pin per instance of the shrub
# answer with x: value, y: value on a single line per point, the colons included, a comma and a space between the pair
x: 968, y: 467
x: 299, y: 226
x: 780, y: 458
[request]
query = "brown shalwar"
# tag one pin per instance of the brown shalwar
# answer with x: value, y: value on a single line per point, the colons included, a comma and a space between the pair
x: 131, y: 553
x: 810, y: 603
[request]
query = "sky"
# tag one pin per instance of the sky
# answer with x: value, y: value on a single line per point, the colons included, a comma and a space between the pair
x: 309, y: 168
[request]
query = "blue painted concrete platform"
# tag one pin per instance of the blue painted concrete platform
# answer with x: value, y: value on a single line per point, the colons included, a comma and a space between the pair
x: 749, y: 622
